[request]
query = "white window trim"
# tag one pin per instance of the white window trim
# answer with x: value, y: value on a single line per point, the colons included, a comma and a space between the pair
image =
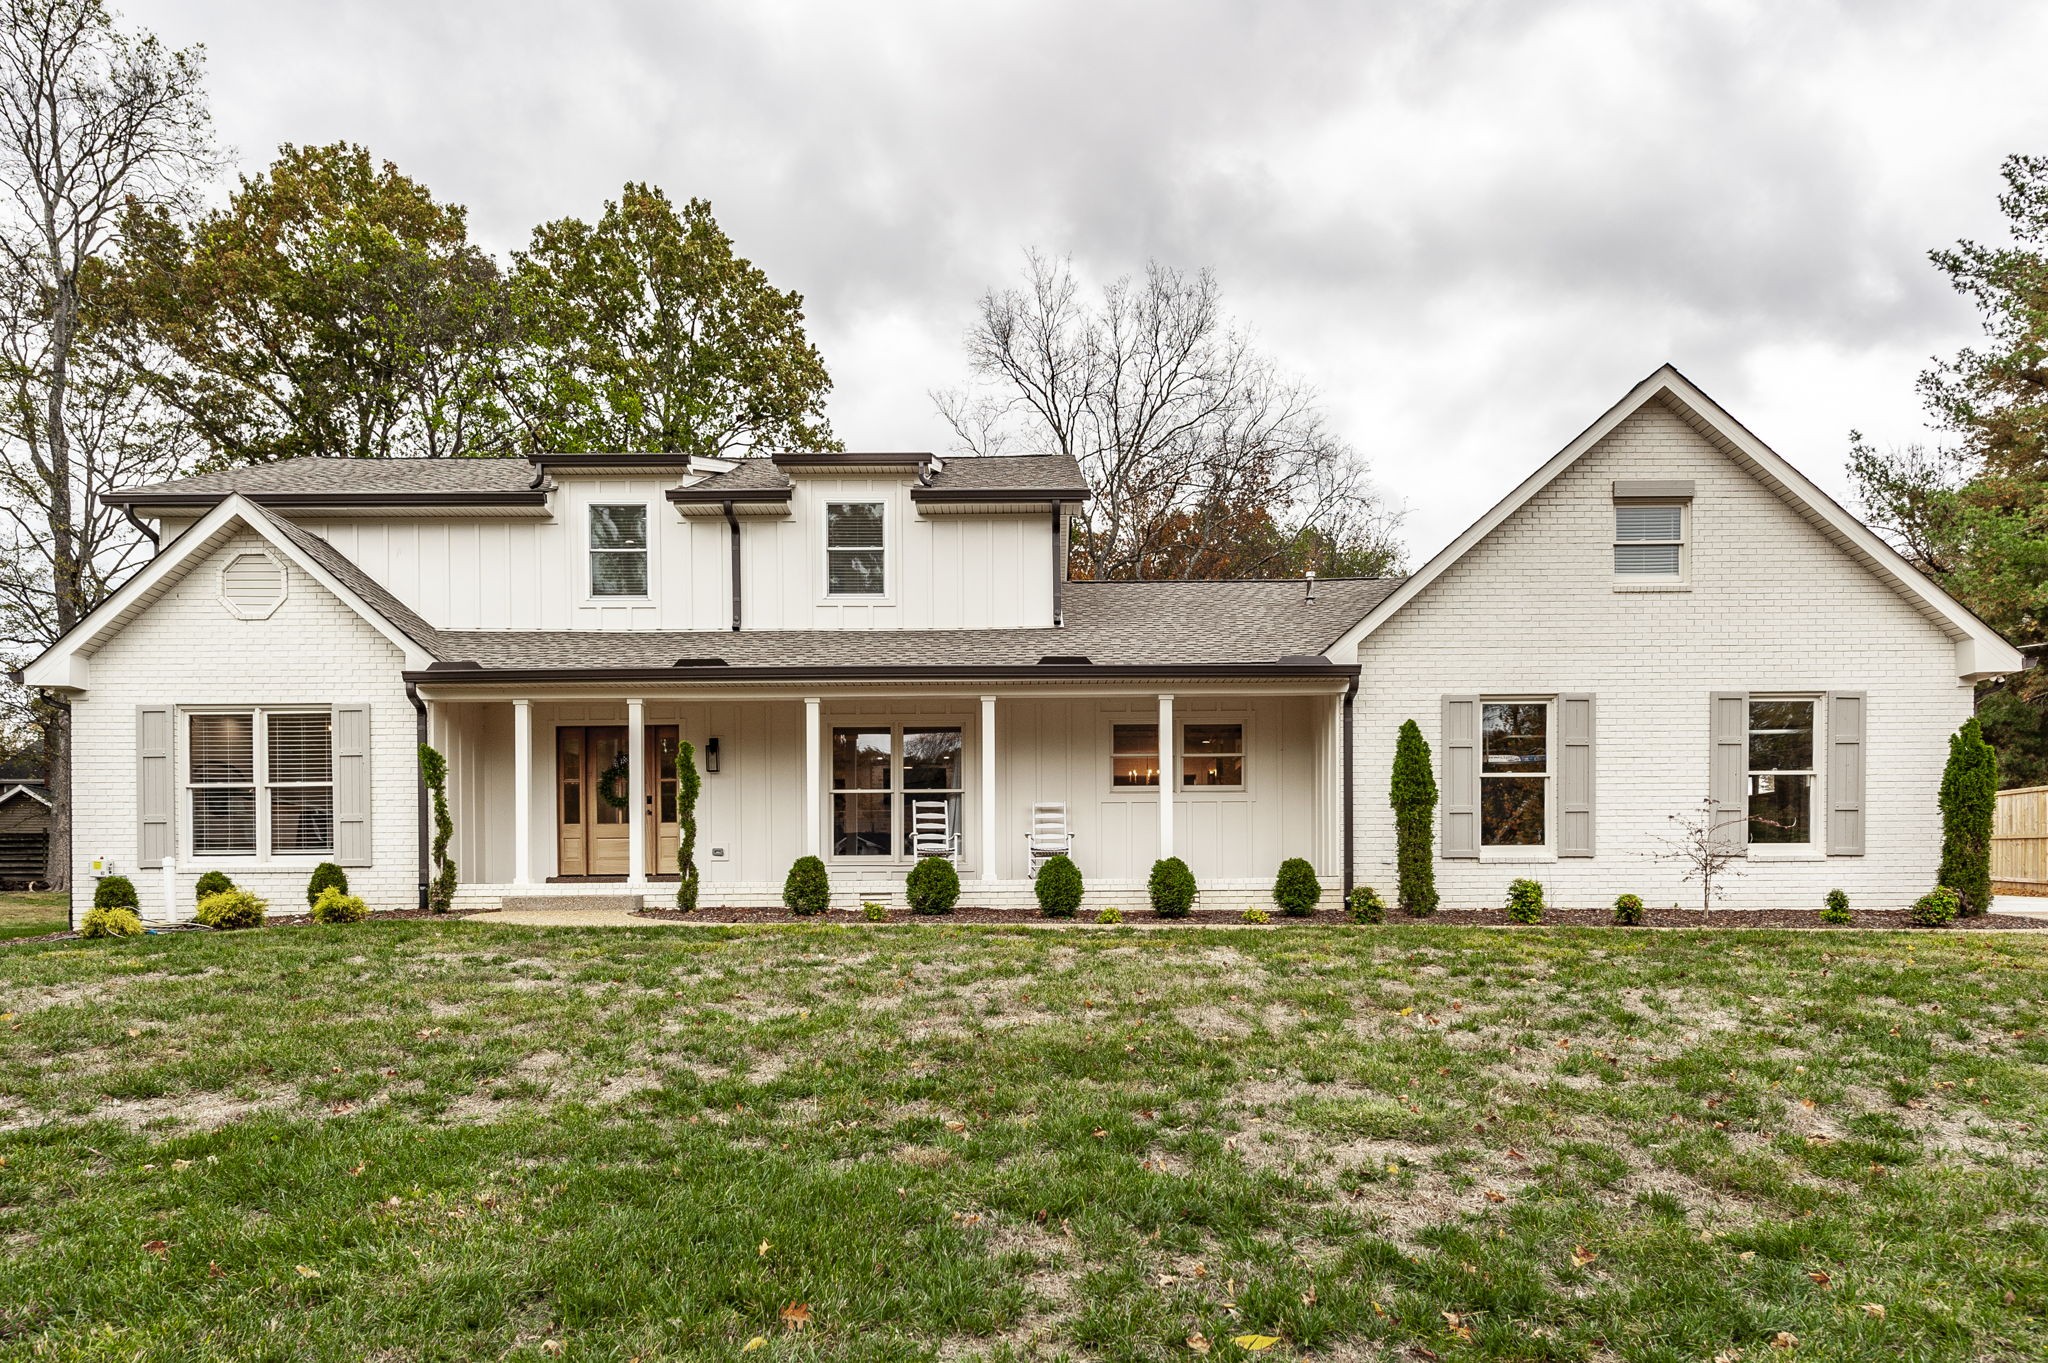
x: 1243, y: 724
x: 828, y: 597
x: 586, y: 561
x: 1644, y: 583
x: 1170, y: 770
x: 263, y: 857
x: 899, y: 826
x: 1815, y: 848
x: 1533, y: 853
x: 1131, y: 721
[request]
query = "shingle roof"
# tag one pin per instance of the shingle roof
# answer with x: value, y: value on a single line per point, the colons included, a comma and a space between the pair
x: 1117, y: 624
x: 749, y: 475
x: 346, y: 477
x: 1007, y: 473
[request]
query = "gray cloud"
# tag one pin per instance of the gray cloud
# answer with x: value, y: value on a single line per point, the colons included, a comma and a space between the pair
x: 1471, y: 225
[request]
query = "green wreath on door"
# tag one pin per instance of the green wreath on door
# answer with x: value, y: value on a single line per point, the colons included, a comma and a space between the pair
x: 613, y: 783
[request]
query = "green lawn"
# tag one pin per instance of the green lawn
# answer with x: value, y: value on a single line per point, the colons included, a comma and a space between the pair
x: 32, y: 915
x: 454, y: 1140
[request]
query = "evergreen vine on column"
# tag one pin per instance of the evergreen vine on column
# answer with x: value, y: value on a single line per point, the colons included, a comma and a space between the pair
x: 441, y: 890
x: 688, y: 784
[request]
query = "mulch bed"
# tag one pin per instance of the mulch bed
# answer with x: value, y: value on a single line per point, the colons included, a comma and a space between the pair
x: 1461, y: 918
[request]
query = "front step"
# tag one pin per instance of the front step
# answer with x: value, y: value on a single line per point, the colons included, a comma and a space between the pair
x: 546, y: 903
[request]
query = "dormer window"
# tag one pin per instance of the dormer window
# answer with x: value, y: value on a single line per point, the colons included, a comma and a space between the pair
x: 618, y: 550
x: 854, y: 549
x: 1649, y: 541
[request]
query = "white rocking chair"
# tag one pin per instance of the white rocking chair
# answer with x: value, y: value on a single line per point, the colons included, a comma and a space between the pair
x: 1049, y: 836
x: 931, y: 830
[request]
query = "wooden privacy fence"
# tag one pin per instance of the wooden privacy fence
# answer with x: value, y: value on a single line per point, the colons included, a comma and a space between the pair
x: 2019, y: 836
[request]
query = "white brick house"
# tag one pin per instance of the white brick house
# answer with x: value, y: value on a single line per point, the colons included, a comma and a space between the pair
x: 875, y: 654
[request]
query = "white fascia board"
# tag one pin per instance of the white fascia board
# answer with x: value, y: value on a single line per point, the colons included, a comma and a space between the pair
x: 1980, y: 651
x: 29, y: 791
x: 66, y: 664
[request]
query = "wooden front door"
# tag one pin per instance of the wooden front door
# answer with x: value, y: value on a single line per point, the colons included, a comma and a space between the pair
x: 592, y: 793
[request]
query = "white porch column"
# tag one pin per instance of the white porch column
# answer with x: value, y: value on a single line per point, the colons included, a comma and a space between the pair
x: 813, y: 794
x: 988, y: 788
x: 636, y: 792
x: 522, y: 792
x: 1169, y: 767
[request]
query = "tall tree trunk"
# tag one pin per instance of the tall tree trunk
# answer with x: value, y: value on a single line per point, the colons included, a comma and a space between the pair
x: 69, y: 569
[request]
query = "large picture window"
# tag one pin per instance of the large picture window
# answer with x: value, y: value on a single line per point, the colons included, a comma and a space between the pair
x: 618, y: 550
x: 1514, y: 773
x: 1781, y: 773
x: 880, y: 774
x: 261, y: 781
x: 854, y: 549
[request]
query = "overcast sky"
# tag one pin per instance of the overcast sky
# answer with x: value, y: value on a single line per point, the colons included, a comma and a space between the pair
x: 1472, y: 228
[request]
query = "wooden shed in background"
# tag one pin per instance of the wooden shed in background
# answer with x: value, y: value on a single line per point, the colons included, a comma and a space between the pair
x: 24, y: 834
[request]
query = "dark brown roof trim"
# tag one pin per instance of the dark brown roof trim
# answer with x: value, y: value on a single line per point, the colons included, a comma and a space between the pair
x: 1000, y: 494
x: 828, y: 458
x: 641, y: 460
x: 533, y: 497
x: 713, y: 496
x: 474, y: 674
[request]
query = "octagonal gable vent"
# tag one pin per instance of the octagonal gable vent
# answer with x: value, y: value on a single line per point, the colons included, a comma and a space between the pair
x: 252, y: 585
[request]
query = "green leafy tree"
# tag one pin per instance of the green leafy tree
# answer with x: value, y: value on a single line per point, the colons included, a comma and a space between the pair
x: 1972, y: 512
x: 647, y: 331
x: 332, y: 307
x: 1969, y: 802
x: 688, y: 785
x: 1413, y: 796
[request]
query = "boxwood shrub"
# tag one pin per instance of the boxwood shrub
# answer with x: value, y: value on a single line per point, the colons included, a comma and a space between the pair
x: 212, y: 882
x: 115, y: 892
x: 231, y: 910
x: 1059, y: 887
x: 933, y: 886
x: 1936, y: 909
x: 807, y: 890
x: 326, y: 876
x: 1525, y: 902
x: 1628, y: 911
x: 1836, y: 910
x: 1366, y: 906
x: 1296, y: 889
x: 1172, y: 887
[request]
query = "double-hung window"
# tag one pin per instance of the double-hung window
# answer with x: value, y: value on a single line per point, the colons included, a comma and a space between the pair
x: 1781, y: 771
x: 1514, y: 773
x: 1649, y: 541
x: 618, y: 550
x: 1134, y: 755
x: 855, y: 551
x: 261, y: 782
x: 1212, y: 755
x: 882, y: 776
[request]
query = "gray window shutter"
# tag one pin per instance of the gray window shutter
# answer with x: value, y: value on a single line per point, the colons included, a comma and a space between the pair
x: 1846, y: 724
x: 1728, y: 768
x: 155, y: 791
x: 352, y: 785
x: 1461, y: 776
x: 1575, y: 776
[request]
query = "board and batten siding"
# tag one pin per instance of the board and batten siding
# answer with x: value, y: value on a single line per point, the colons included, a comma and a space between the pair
x: 1771, y: 606
x: 188, y: 650
x: 945, y: 572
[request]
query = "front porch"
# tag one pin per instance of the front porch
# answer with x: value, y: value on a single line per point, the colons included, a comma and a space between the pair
x: 544, y: 783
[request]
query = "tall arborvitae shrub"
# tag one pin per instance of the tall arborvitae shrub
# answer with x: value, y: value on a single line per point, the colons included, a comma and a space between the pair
x: 434, y: 770
x: 1413, y: 796
x: 1969, y: 801
x: 688, y: 786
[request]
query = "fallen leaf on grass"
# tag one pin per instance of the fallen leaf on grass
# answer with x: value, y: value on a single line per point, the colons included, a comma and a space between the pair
x: 1583, y: 1256
x: 1255, y: 1343
x: 305, y: 1272
x: 160, y: 1248
x: 763, y: 1251
x: 1784, y: 1339
x: 1493, y: 1196
x: 757, y: 1342
x: 796, y: 1316
x: 1873, y: 1310
x: 956, y: 1127
x: 1197, y: 1343
x: 552, y: 1347
x: 1821, y: 1279
x: 214, y: 1270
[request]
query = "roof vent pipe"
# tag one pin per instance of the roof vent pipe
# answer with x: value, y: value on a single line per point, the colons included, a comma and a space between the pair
x: 1311, y: 582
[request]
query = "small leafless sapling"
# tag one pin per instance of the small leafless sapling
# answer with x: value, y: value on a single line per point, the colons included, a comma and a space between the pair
x: 1701, y: 845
